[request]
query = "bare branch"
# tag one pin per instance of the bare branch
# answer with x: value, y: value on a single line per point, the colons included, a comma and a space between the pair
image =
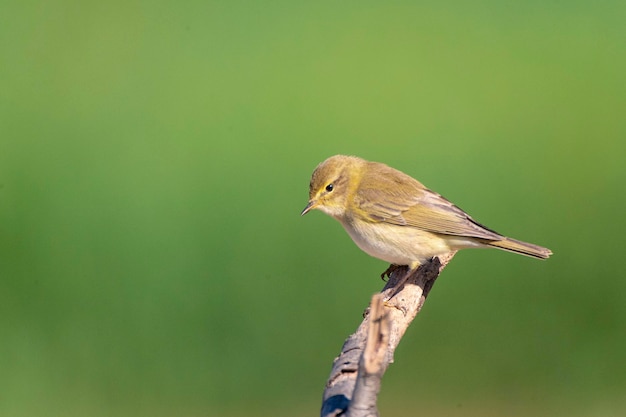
x: 371, y: 365
x: 354, y: 382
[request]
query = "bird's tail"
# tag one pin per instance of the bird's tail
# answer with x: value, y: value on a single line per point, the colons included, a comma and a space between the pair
x: 517, y: 246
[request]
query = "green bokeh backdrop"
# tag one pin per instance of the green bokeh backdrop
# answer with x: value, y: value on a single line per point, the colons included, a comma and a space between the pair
x: 155, y: 156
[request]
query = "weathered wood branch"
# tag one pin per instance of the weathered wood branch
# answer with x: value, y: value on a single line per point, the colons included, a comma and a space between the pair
x: 354, y: 382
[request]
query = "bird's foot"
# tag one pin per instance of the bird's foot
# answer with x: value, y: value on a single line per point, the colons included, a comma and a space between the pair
x: 399, y: 285
x: 387, y: 273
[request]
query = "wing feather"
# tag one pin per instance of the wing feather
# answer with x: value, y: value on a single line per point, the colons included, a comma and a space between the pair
x: 401, y: 200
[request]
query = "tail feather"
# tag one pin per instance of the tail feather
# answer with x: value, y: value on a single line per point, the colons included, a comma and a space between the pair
x: 520, y: 247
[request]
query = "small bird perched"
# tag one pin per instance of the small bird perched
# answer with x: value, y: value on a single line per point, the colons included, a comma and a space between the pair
x: 393, y: 217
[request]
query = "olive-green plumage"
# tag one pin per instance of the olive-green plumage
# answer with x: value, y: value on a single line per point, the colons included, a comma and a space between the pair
x: 393, y: 217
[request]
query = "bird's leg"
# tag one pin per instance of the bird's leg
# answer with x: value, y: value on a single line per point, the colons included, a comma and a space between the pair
x: 400, y: 284
x: 387, y: 273
x: 398, y: 287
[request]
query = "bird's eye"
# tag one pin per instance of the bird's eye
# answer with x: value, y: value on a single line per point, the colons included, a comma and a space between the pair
x: 329, y: 187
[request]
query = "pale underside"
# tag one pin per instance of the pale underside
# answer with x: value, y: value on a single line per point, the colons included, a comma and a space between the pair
x: 402, y: 245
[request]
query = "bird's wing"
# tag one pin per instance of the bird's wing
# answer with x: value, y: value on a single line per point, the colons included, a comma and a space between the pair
x: 403, y: 201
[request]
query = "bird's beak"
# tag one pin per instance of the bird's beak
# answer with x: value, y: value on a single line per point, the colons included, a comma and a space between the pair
x: 309, y: 207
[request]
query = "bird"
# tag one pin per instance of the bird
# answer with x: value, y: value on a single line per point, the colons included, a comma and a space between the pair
x: 394, y: 217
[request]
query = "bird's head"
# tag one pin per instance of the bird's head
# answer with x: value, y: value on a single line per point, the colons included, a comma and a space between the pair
x: 331, y: 184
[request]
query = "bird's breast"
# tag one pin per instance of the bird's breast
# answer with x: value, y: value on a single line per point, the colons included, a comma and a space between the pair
x: 400, y: 245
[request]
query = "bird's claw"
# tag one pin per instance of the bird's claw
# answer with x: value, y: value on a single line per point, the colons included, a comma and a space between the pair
x: 387, y: 272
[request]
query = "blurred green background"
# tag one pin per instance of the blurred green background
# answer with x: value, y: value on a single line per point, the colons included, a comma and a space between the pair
x: 155, y: 157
